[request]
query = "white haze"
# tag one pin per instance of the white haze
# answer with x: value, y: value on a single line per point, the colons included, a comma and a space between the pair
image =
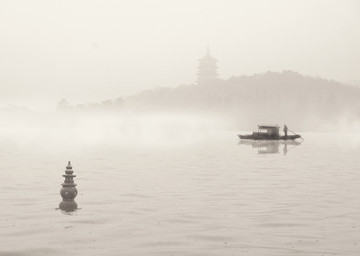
x: 102, y: 130
x: 93, y: 50
x: 160, y: 170
x: 71, y: 133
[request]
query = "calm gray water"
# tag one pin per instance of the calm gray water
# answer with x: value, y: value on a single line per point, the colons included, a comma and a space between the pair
x: 211, y: 196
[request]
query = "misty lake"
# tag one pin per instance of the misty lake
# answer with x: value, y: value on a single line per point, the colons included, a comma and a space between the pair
x: 206, y: 196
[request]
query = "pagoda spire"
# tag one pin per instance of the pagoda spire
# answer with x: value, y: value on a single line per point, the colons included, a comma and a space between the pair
x: 207, y: 69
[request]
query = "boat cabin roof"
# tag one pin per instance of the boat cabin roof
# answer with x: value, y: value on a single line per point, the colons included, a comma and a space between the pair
x: 268, y: 126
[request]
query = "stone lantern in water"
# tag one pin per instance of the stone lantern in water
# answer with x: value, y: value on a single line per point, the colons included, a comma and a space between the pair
x: 68, y: 191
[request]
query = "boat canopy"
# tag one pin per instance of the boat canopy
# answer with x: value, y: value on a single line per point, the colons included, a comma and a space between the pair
x: 269, y: 129
x: 268, y: 126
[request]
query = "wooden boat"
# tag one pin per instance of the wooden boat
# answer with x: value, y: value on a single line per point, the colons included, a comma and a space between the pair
x: 268, y: 132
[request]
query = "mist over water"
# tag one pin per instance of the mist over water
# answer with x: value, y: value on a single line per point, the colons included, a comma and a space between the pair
x: 147, y: 99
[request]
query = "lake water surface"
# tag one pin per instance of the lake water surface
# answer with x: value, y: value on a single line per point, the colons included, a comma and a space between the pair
x: 209, y: 196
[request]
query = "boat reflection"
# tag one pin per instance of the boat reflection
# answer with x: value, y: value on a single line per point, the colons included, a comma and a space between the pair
x: 271, y: 147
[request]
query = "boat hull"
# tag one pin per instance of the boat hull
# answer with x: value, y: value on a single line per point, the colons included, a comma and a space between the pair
x: 267, y: 137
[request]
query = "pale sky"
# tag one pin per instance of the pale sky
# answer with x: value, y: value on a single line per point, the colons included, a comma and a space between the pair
x: 86, y: 50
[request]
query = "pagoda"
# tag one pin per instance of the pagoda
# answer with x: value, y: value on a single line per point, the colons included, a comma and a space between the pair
x: 207, y: 69
x: 68, y: 191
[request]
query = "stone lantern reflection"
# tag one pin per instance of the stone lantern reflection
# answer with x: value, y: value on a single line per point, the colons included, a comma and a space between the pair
x: 68, y: 191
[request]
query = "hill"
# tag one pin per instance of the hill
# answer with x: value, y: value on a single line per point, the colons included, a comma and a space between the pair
x: 272, y: 97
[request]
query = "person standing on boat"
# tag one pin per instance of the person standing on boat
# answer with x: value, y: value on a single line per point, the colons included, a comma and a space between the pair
x: 285, y: 130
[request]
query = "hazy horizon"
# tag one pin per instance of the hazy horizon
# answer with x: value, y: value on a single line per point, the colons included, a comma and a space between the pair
x: 121, y: 135
x: 90, y: 50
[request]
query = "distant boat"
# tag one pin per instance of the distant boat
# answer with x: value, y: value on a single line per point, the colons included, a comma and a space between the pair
x: 268, y: 132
